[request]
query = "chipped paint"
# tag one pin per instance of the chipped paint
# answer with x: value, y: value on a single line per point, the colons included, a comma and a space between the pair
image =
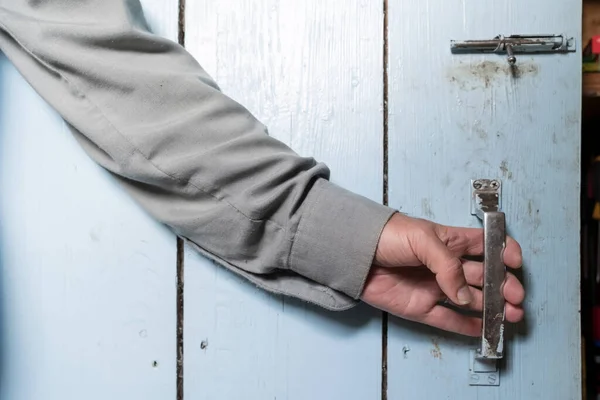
x: 500, y: 348
x: 405, y: 351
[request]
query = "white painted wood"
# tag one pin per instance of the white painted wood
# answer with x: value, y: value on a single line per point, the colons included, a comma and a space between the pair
x: 87, y: 290
x: 312, y: 71
x: 457, y: 117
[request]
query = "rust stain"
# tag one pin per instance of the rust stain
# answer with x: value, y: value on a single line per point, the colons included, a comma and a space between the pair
x: 478, y: 129
x: 469, y: 76
x: 534, y: 214
x: 573, y: 118
x: 446, y: 181
x: 505, y: 171
x: 426, y: 209
x: 94, y: 236
x: 436, y: 352
x: 475, y: 128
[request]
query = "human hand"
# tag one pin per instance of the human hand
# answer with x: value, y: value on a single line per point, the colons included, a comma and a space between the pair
x: 419, y: 263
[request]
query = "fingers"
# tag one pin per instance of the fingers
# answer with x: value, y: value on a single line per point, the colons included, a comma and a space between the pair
x: 473, y: 273
x: 447, y: 268
x: 513, y: 257
x: 513, y: 312
x: 512, y: 289
x: 449, y: 320
x: 469, y: 241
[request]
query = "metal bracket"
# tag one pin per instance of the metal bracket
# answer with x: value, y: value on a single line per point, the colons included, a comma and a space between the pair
x: 485, y: 204
x: 482, y: 372
x: 516, y: 44
x: 481, y: 186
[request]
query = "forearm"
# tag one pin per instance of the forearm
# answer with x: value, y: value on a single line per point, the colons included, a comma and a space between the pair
x: 197, y: 161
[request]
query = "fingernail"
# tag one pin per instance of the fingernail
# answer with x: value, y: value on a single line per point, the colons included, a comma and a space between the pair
x: 464, y: 295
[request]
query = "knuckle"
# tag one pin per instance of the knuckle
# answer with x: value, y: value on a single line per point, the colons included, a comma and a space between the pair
x: 453, y: 267
x: 441, y: 231
x: 419, y: 235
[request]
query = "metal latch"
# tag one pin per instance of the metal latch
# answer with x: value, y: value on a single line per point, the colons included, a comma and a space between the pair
x: 516, y: 44
x: 485, y: 204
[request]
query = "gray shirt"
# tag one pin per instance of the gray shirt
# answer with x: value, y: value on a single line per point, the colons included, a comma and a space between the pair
x: 193, y: 158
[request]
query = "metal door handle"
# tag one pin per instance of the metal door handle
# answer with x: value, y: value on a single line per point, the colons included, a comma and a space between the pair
x: 485, y: 204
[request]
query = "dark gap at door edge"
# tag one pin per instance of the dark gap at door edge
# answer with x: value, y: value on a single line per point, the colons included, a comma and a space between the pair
x: 180, y: 249
x: 384, y: 316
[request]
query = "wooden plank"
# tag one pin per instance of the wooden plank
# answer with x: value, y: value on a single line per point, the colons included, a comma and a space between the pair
x: 87, y: 294
x: 453, y: 118
x: 312, y: 72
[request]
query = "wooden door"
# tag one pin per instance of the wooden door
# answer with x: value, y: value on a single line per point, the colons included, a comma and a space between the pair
x: 372, y: 89
x: 453, y: 118
x: 87, y: 279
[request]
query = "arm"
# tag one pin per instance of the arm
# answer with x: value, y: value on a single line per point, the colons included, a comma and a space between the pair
x: 194, y: 159
x: 198, y: 162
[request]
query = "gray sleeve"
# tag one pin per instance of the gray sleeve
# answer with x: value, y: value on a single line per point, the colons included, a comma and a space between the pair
x: 194, y: 159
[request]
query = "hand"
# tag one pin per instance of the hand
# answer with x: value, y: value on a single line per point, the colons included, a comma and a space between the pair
x: 419, y: 263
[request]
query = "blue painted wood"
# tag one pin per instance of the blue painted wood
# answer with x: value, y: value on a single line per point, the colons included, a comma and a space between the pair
x: 313, y: 72
x: 87, y: 290
x: 457, y: 117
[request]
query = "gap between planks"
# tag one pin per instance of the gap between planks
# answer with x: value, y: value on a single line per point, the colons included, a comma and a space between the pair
x: 180, y: 250
x: 384, y: 316
x: 180, y: 245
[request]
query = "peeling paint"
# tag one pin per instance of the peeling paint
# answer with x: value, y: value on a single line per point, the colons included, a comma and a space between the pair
x: 405, y: 351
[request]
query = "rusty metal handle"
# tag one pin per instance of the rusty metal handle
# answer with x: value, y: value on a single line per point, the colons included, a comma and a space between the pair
x: 494, y: 270
x: 486, y: 206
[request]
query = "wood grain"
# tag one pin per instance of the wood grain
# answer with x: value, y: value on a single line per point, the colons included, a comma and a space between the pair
x: 312, y: 71
x: 87, y: 290
x: 454, y: 118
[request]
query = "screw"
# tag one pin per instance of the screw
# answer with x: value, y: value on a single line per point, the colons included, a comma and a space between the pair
x: 495, y: 184
x: 477, y: 184
x: 491, y: 379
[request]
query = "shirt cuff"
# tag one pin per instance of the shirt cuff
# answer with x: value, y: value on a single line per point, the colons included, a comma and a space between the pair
x: 337, y: 237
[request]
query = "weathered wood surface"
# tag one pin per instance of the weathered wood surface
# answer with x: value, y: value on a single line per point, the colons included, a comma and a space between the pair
x: 457, y: 117
x: 87, y: 299
x: 87, y: 290
x: 312, y: 71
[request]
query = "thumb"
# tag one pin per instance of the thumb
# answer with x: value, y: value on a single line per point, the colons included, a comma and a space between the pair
x: 447, y: 268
